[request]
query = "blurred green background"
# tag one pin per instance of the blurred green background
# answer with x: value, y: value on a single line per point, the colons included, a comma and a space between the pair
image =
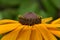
x: 11, y: 9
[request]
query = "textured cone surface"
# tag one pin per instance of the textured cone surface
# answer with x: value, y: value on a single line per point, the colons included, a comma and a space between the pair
x: 30, y: 19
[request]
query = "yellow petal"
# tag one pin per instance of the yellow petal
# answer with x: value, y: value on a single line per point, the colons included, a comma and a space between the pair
x: 8, y: 27
x: 7, y: 21
x: 57, y: 33
x: 12, y: 35
x: 56, y: 21
x: 53, y: 26
x: 24, y: 34
x: 35, y: 35
x: 46, y: 20
x: 45, y: 33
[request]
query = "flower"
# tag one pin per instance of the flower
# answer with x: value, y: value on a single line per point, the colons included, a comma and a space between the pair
x: 14, y: 30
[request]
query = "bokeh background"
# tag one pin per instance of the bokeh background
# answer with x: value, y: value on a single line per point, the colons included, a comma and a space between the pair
x: 11, y: 9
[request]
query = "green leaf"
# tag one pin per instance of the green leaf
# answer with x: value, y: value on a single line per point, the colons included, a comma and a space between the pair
x: 1, y: 17
x: 28, y: 7
x: 1, y: 36
x: 51, y: 11
x: 9, y: 14
x: 56, y: 3
x: 10, y: 2
x: 48, y: 6
x: 43, y: 14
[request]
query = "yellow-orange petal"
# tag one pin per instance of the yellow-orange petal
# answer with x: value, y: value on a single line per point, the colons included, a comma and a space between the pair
x: 45, y: 32
x: 12, y: 35
x: 54, y: 28
x: 35, y: 35
x: 52, y: 25
x: 57, y: 33
x: 8, y: 27
x: 7, y: 21
x: 56, y: 21
x: 46, y: 19
x: 24, y: 33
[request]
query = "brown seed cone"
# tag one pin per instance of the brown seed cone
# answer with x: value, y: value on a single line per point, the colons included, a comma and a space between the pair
x: 29, y: 19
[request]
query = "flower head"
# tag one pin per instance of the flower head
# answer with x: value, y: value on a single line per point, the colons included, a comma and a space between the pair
x: 30, y: 27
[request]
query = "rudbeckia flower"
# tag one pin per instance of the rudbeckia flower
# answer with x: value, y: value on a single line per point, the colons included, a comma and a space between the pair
x: 30, y: 27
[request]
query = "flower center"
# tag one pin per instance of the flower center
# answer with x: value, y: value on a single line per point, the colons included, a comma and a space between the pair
x: 29, y: 19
